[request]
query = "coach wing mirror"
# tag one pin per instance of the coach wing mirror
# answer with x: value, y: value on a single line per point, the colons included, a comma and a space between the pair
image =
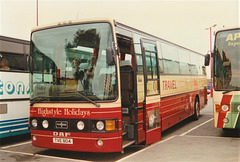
x: 110, y: 56
x: 207, y: 59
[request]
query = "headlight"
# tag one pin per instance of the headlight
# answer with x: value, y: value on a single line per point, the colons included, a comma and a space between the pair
x: 238, y: 108
x: 100, y: 125
x: 34, y: 138
x: 99, y: 142
x: 34, y: 123
x: 45, y: 124
x: 225, y: 108
x: 225, y: 120
x: 80, y: 125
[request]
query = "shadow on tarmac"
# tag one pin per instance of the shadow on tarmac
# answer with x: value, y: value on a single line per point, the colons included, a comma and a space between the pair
x: 230, y: 133
x: 14, y: 139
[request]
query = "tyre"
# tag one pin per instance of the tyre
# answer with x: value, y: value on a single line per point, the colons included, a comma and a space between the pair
x: 196, y: 109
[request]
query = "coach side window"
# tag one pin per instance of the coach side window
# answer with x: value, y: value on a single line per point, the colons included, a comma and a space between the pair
x: 202, y: 68
x: 4, y: 64
x: 194, y: 63
x: 160, y: 57
x: 138, y: 51
x: 184, y: 60
x: 170, y: 59
x: 139, y: 63
x: 13, y: 62
x: 151, y: 63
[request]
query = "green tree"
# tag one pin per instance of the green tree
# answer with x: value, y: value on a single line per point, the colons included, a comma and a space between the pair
x: 86, y: 38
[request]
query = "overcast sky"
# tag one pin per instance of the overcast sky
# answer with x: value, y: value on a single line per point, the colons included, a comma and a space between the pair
x: 181, y: 22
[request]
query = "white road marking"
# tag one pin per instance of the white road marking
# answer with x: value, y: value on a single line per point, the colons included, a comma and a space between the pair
x: 196, y: 127
x: 145, y: 149
x: 61, y: 158
x: 16, y: 152
x: 38, y: 155
x: 24, y: 143
x: 211, y: 137
x: 163, y: 141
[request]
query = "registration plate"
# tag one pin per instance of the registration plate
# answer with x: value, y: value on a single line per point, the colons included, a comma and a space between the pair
x: 63, y: 140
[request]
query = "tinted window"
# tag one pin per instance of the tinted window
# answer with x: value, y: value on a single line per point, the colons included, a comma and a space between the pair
x: 13, y: 62
x: 194, y: 66
x: 170, y: 59
x: 138, y: 51
x: 184, y: 60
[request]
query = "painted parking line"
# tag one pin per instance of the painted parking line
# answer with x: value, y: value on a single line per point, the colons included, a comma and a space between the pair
x: 146, y: 148
x: 43, y: 156
x: 20, y: 144
x: 155, y: 144
x: 31, y: 154
x: 196, y: 127
x: 60, y: 158
x: 213, y: 137
x: 17, y: 152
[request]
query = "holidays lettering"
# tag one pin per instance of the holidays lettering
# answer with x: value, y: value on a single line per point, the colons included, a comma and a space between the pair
x: 78, y: 112
x: 169, y: 84
x: 66, y: 111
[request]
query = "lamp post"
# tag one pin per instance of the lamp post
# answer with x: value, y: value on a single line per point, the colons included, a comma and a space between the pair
x: 210, y: 29
x: 37, y: 12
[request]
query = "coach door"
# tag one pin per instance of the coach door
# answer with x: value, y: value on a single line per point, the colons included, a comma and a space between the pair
x: 151, y: 92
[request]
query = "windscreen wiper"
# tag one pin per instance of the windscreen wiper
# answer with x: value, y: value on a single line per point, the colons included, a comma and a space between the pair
x: 39, y: 98
x: 86, y: 98
x: 230, y: 90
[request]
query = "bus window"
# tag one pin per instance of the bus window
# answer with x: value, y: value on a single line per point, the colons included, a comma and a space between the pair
x: 151, y: 62
x: 160, y: 60
x: 52, y: 55
x: 149, y: 66
x: 160, y: 65
x: 136, y: 40
x: 138, y: 51
x: 194, y: 63
x: 184, y: 68
x: 170, y: 67
x: 4, y: 64
x: 170, y: 59
x: 202, y: 68
x: 184, y: 61
x: 13, y: 62
x: 139, y: 63
x: 193, y: 69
